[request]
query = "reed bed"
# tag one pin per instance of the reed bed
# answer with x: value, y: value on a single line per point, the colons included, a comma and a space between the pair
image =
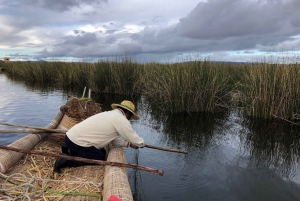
x: 118, y: 77
x: 60, y: 73
x: 186, y: 87
x: 262, y: 89
x: 271, y: 90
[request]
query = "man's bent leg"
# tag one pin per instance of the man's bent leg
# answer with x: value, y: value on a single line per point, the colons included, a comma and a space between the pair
x: 84, y: 152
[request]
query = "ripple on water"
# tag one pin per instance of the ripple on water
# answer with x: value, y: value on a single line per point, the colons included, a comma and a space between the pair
x: 19, y: 105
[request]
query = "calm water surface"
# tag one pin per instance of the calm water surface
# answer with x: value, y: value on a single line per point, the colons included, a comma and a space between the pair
x: 230, y: 158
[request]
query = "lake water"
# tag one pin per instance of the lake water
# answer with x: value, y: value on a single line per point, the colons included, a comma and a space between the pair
x: 230, y: 157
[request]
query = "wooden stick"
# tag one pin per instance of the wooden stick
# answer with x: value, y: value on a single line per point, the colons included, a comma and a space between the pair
x: 99, y: 162
x: 32, y: 131
x: 83, y: 92
x: 39, y: 128
x: 166, y: 149
x: 64, y: 131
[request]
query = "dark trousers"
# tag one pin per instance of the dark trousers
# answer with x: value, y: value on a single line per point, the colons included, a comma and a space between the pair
x: 84, y: 152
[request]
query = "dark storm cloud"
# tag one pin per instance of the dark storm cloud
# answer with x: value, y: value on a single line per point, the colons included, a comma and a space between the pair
x: 79, y: 32
x: 81, y: 40
x: 111, y: 31
x: 217, y: 19
x: 62, y: 5
x: 73, y: 46
x: 88, y: 45
x: 230, y: 25
x: 111, y: 40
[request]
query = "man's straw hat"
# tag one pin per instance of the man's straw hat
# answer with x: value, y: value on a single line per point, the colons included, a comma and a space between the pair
x: 127, y: 105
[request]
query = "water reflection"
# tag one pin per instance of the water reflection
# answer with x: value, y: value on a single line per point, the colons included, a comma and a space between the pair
x: 267, y: 146
x: 187, y: 129
x: 274, y: 145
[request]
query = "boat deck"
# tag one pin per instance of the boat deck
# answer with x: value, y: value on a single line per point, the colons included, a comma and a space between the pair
x: 80, y: 183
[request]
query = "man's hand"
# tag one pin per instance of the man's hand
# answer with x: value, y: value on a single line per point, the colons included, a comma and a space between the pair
x: 133, y: 146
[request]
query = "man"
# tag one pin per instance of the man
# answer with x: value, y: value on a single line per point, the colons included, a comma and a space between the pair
x: 88, y: 138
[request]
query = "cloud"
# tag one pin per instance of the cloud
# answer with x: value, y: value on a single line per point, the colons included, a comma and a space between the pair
x: 88, y: 45
x: 232, y: 18
x: 84, y: 39
x: 62, y: 5
x: 22, y: 57
x: 229, y: 25
x: 99, y: 28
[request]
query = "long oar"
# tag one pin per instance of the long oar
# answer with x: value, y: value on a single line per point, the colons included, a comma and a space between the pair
x: 99, y: 162
x: 64, y: 131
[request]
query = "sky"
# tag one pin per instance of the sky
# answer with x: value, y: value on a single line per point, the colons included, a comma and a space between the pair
x: 150, y: 30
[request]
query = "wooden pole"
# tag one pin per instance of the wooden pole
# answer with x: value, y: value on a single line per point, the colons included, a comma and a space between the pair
x: 35, y: 131
x: 166, y: 149
x: 83, y: 92
x: 64, y: 131
x: 99, y: 162
x: 33, y: 127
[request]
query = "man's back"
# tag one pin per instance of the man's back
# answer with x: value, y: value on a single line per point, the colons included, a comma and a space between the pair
x: 98, y: 130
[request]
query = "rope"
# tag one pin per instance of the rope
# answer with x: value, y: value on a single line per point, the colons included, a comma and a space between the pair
x: 27, y: 190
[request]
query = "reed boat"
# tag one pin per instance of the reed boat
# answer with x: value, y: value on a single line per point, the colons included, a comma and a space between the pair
x: 31, y: 177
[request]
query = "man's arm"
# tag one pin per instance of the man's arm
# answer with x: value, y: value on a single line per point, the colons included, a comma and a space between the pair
x: 122, y: 143
x: 131, y: 136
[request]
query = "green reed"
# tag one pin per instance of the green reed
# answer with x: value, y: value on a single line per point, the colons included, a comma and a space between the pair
x: 186, y: 87
x: 61, y: 73
x: 29, y: 70
x: 118, y: 77
x: 271, y: 90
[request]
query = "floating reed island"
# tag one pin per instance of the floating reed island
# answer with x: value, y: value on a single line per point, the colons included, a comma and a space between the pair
x: 259, y: 89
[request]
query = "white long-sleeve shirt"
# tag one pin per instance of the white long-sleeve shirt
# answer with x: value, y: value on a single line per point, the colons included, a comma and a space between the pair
x: 104, y: 128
